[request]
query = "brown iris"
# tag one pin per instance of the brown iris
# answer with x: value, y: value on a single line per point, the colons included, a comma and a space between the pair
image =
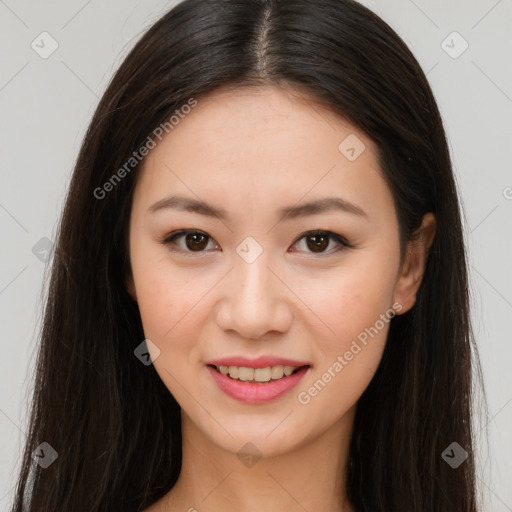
x: 196, y: 241
x: 320, y: 242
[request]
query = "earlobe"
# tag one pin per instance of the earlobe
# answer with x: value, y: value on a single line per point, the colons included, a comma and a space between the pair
x: 413, y: 267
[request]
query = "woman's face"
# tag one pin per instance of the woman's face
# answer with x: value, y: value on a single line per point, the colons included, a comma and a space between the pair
x: 249, y: 287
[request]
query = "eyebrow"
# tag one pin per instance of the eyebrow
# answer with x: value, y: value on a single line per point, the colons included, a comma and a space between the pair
x: 324, y: 205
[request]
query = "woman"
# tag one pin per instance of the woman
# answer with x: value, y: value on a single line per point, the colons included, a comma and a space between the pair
x: 259, y: 296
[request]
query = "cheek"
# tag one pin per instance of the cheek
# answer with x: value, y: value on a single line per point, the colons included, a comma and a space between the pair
x: 174, y: 305
x: 166, y: 296
x: 357, y: 308
x: 170, y: 307
x: 352, y: 301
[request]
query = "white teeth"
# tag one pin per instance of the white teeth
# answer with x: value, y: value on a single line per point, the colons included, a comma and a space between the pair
x: 288, y: 370
x: 263, y: 374
x: 257, y: 374
x: 244, y: 373
x: 277, y: 372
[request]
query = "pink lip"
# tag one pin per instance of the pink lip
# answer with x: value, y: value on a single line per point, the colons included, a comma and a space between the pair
x: 259, y: 362
x: 256, y: 392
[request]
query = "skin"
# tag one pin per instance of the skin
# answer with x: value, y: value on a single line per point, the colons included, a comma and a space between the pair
x: 253, y: 152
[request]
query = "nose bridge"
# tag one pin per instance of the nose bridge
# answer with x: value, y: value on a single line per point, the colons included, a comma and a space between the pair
x: 251, y: 273
x: 255, y: 299
x: 253, y: 288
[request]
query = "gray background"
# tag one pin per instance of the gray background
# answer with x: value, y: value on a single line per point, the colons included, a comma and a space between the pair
x: 46, y: 104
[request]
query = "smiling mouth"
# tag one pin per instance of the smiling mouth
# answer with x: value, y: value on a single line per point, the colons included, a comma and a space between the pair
x: 257, y: 375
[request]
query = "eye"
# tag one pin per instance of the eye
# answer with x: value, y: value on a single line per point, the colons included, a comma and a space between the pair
x: 196, y: 241
x: 318, y: 241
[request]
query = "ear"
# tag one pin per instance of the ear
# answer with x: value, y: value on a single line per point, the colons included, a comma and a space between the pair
x: 413, y: 266
x: 130, y: 286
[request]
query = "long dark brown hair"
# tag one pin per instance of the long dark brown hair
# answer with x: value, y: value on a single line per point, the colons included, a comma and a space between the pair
x: 111, y: 420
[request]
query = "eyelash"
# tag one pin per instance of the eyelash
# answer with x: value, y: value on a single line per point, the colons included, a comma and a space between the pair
x: 169, y: 240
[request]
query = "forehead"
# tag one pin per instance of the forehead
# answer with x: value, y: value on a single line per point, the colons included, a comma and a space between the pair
x: 262, y: 146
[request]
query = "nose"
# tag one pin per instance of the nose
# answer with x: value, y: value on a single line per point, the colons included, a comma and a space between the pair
x: 255, y: 300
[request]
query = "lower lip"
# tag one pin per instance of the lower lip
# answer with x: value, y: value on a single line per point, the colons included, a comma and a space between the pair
x: 255, y: 392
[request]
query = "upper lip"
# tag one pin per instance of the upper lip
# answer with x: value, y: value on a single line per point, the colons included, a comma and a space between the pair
x: 259, y: 362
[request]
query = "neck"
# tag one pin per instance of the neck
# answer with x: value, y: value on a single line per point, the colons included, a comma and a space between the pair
x: 312, y: 477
